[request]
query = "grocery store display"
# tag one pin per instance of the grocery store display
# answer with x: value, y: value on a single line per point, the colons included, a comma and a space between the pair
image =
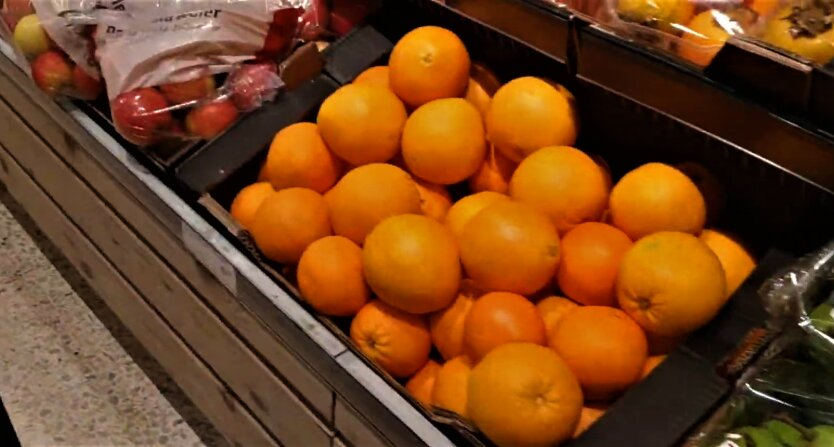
x: 803, y: 28
x: 452, y: 287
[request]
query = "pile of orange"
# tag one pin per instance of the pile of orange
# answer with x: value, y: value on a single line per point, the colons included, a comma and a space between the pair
x: 547, y: 290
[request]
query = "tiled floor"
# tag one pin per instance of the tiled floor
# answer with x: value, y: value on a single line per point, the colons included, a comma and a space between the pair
x: 70, y: 373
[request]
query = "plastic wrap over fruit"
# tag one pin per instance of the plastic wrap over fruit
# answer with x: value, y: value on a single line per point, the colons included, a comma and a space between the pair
x: 803, y: 28
x: 693, y: 29
x: 58, y: 53
x: 187, y: 68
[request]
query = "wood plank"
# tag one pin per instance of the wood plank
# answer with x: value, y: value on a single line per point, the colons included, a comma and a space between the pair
x: 355, y: 428
x: 216, y: 401
x: 268, y: 397
x: 299, y: 374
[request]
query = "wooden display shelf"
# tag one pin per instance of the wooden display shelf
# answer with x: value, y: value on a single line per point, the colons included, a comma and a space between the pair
x: 260, y: 367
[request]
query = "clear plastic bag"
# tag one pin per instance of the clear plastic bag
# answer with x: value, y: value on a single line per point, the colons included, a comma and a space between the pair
x: 803, y: 28
x: 787, y: 398
x: 187, y: 68
x: 59, y: 54
x: 694, y: 29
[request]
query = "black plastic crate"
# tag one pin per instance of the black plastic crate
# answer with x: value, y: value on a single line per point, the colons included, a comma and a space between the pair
x: 776, y: 211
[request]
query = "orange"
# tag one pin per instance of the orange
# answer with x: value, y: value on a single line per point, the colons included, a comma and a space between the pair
x: 735, y: 260
x: 710, y: 186
x: 411, y: 262
x: 762, y: 7
x: 563, y: 183
x: 434, y: 200
x: 494, y: 174
x: 374, y: 76
x: 591, y: 255
x: 428, y: 63
x: 330, y: 276
x: 500, y: 317
x: 510, y: 247
x: 362, y: 123
x: 397, y: 341
x: 605, y: 349
x: 446, y: 326
x: 247, y: 202
x: 466, y: 208
x: 421, y: 385
x: 368, y: 194
x: 450, y: 385
x: 288, y: 221
x: 527, y: 114
x: 482, y: 85
x: 671, y: 283
x: 524, y: 395
x: 298, y: 157
x: 443, y: 141
x: 652, y: 363
x: 656, y: 197
x: 262, y: 174
x: 552, y: 309
x: 589, y: 415
x: 703, y: 37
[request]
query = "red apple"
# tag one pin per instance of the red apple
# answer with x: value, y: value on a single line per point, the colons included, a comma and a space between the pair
x: 141, y: 115
x: 193, y: 90
x: 346, y: 14
x: 277, y: 41
x: 86, y: 86
x: 253, y: 84
x: 14, y: 10
x: 52, y: 72
x: 208, y: 120
x: 286, y: 17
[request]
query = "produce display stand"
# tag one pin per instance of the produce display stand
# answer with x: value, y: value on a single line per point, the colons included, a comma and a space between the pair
x: 153, y: 241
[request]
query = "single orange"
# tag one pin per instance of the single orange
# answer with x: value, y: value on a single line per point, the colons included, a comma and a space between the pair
x: 397, y: 341
x: 652, y: 363
x: 362, y: 123
x: 367, y: 195
x: 288, y: 221
x: 421, y: 385
x: 466, y: 208
x: 710, y: 186
x: 446, y: 326
x: 375, y: 76
x: 247, y: 202
x: 591, y: 255
x: 523, y: 394
x: 656, y: 197
x: 330, y: 276
x: 735, y: 260
x: 443, y: 141
x: 564, y: 183
x: 671, y: 283
x: 299, y: 157
x: 605, y: 349
x: 428, y: 63
x: 500, y: 317
x: 434, y: 200
x: 450, y: 385
x: 527, y: 114
x: 552, y: 309
x: 494, y: 174
x: 411, y: 262
x: 510, y: 247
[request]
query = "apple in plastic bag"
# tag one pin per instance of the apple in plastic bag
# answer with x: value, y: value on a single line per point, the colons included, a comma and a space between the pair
x: 86, y: 86
x: 16, y: 10
x: 253, y: 84
x: 52, y: 72
x: 188, y: 91
x: 281, y: 33
x: 30, y: 37
x: 209, y: 120
x: 141, y: 116
x: 347, y: 14
x: 314, y: 21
